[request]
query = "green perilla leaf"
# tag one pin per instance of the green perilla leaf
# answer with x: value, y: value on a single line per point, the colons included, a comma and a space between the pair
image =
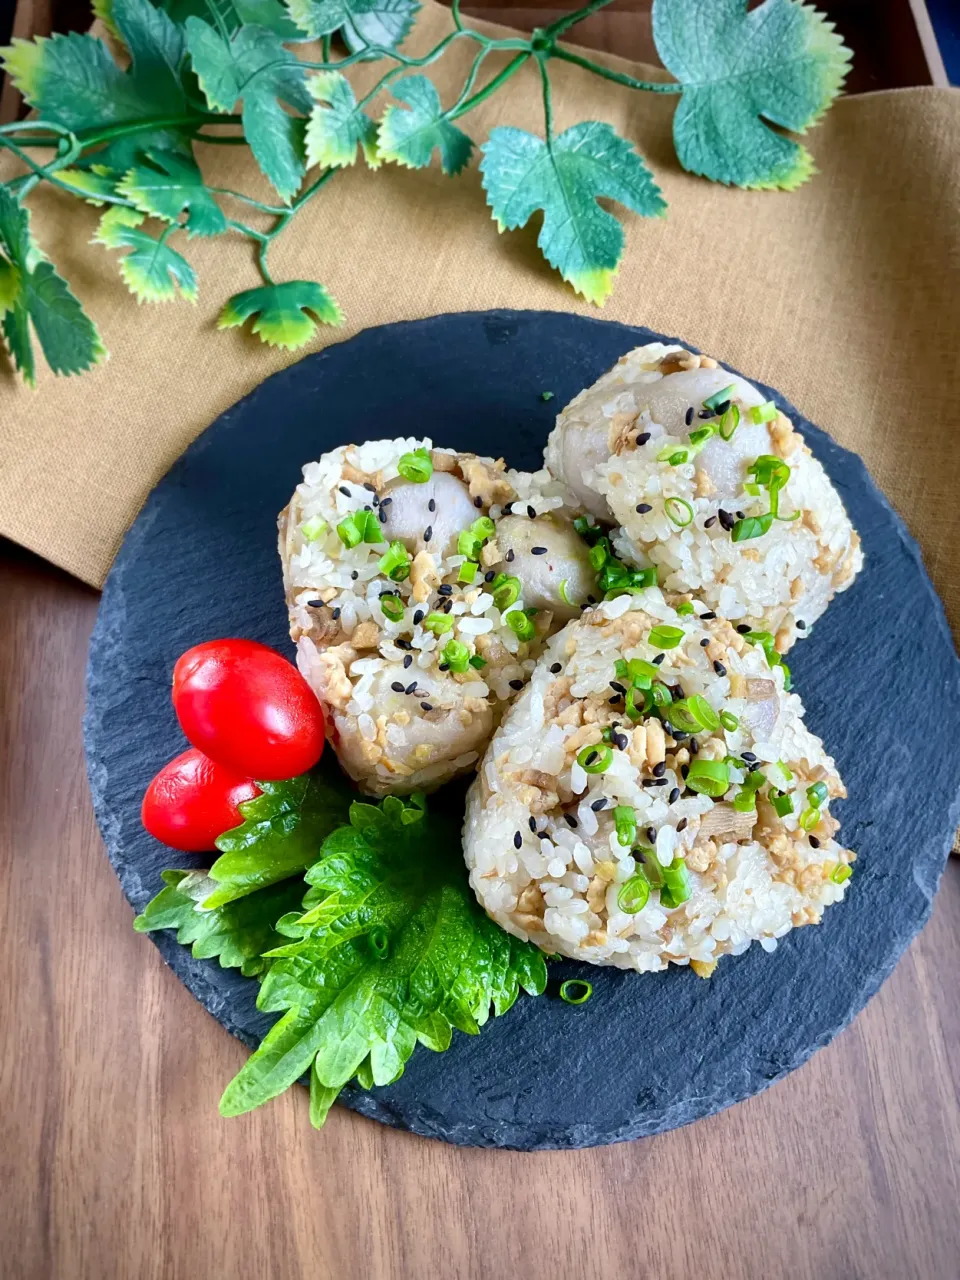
x: 409, y: 137
x: 780, y: 64
x: 151, y: 270
x: 564, y: 178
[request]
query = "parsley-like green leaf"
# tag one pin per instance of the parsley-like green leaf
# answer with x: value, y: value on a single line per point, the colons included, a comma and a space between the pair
x: 780, y: 64
x: 31, y: 293
x: 286, y: 314
x: 167, y: 186
x: 282, y: 833
x: 236, y: 934
x: 410, y: 137
x: 337, y: 126
x: 565, y: 177
x: 360, y: 22
x: 391, y: 950
x: 152, y: 271
x: 254, y: 68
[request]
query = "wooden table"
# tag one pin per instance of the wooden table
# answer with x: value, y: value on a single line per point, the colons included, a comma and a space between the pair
x: 114, y: 1164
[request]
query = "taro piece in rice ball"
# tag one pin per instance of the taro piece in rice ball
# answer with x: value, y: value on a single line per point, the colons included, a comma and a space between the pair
x: 710, y: 483
x: 413, y: 624
x: 679, y: 814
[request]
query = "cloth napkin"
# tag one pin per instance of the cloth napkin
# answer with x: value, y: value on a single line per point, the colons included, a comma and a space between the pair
x: 843, y: 294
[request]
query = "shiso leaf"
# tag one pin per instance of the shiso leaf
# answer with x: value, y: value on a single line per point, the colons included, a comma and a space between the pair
x: 410, y: 137
x: 337, y: 126
x: 286, y: 315
x: 281, y: 835
x: 33, y: 294
x: 237, y: 934
x: 392, y: 949
x: 360, y: 22
x: 780, y: 64
x: 151, y: 270
x: 167, y: 185
x: 565, y: 177
x: 252, y: 67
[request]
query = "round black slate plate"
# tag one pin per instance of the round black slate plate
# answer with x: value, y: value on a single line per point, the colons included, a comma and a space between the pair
x: 879, y: 676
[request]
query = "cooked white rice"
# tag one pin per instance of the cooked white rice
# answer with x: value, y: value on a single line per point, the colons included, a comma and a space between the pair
x: 779, y: 582
x: 549, y: 867
x: 398, y: 719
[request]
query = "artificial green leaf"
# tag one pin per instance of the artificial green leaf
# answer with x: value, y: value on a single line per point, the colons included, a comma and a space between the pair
x: 170, y: 184
x: 337, y: 126
x: 32, y: 294
x: 392, y: 949
x: 152, y: 270
x: 779, y: 64
x: 228, y: 15
x: 95, y: 185
x: 360, y: 22
x: 74, y: 81
x: 254, y: 68
x: 281, y: 835
x: 236, y: 934
x: 286, y: 314
x: 410, y: 137
x: 565, y: 177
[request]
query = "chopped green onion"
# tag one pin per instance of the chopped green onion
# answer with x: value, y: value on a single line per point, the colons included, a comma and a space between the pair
x: 546, y: 395
x: 763, y: 412
x: 395, y: 562
x: 676, y: 457
x: 660, y: 695
x: 679, y: 511
x: 665, y: 637
x: 782, y: 802
x: 841, y: 873
x: 752, y: 527
x: 754, y: 780
x: 620, y: 669
x: 607, y: 734
x: 456, y: 656
x: 625, y: 820
x: 575, y: 991
x: 685, y: 608
x: 506, y: 591
x: 392, y: 607
x: 702, y: 434
x: 483, y: 527
x: 312, y: 529
x: 438, y: 623
x: 729, y: 422
x: 369, y: 526
x: 416, y: 466
x: 809, y: 819
x: 718, y: 397
x: 634, y: 894
x: 599, y: 758
x: 693, y: 714
x: 767, y: 643
x: 630, y: 705
x: 709, y: 777
x: 468, y: 571
x: 768, y: 469
x: 745, y: 801
x: 586, y: 529
x: 641, y: 673
x: 562, y: 592
x: 787, y: 678
x: 676, y: 885
x: 817, y: 794
x: 468, y: 544
x: 521, y: 625
x: 351, y: 535
x: 754, y: 490
x: 729, y: 721
x: 478, y: 662
x: 599, y: 553
x: 644, y: 578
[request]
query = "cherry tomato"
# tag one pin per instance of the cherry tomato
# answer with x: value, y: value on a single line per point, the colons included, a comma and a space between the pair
x: 248, y: 708
x: 192, y: 800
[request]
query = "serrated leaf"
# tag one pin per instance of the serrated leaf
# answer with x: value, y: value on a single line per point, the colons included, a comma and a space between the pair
x: 286, y: 314
x: 410, y: 137
x: 236, y: 934
x: 253, y: 68
x: 231, y: 14
x: 32, y: 294
x: 564, y: 178
x: 282, y: 833
x: 392, y: 949
x: 90, y: 185
x: 170, y: 184
x: 151, y: 270
x: 360, y: 22
x: 780, y: 64
x: 337, y: 126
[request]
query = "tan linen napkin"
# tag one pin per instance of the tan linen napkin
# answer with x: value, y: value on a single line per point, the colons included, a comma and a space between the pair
x: 844, y: 295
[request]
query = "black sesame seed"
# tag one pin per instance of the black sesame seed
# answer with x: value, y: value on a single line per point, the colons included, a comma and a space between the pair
x: 643, y: 437
x: 314, y: 604
x: 688, y: 416
x: 555, y: 667
x: 710, y: 522
x: 658, y: 659
x: 659, y: 769
x: 591, y: 757
x: 748, y: 755
x: 599, y: 804
x: 345, y: 491
x: 704, y: 642
x: 741, y: 515
x: 382, y: 516
x: 418, y: 617
x: 591, y: 599
x: 411, y: 688
x: 531, y: 512
x: 516, y: 684
x: 621, y: 740
x: 679, y: 735
x: 538, y: 551
x: 403, y: 644
x: 445, y: 589
x: 444, y: 666
x: 615, y: 699
x: 722, y: 408
x: 719, y: 668
x: 681, y: 825
x: 651, y: 834
x: 336, y: 614
x: 432, y: 504
x: 707, y: 617
x: 478, y: 501
x: 726, y: 519
x: 372, y: 488
x: 705, y: 413
x: 801, y: 625
x: 446, y: 605
x: 674, y: 796
x: 757, y: 764
x: 517, y: 840
x: 428, y: 533
x: 490, y: 575
x: 427, y: 706
x: 660, y: 782
x: 397, y: 687
x: 814, y: 841
x: 694, y: 747
x: 643, y: 508
x: 407, y: 661
x: 570, y: 820
x: 509, y: 556
x: 615, y: 684
x: 385, y: 502
x: 354, y: 575
x: 508, y: 509
x: 684, y: 770
x: 744, y: 627
x: 648, y: 782
x: 533, y: 824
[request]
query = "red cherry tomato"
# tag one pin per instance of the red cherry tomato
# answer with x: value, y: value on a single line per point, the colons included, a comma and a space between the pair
x: 248, y: 708
x: 192, y: 800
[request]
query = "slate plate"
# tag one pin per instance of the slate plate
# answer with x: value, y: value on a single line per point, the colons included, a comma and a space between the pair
x: 879, y: 676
